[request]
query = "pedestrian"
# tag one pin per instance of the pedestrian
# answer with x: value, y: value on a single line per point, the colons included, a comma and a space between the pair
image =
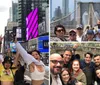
x: 67, y: 56
x: 66, y: 77
x: 97, y: 66
x: 97, y: 60
x: 19, y: 74
x: 88, y: 68
x: 98, y: 35
x: 56, y: 64
x: 97, y: 70
x: 79, y: 32
x: 90, y: 36
x: 76, y: 72
x: 60, y: 32
x: 6, y: 73
x: 72, y: 35
x: 36, y: 66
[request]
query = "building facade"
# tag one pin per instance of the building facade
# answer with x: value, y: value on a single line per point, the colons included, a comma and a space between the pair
x: 25, y: 7
x: 65, y: 7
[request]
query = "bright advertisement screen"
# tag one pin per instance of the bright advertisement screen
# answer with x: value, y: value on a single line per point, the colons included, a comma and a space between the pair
x: 32, y: 24
x: 12, y: 47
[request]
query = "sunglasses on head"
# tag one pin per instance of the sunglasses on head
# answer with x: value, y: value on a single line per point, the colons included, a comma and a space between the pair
x: 60, y: 30
x: 56, y: 62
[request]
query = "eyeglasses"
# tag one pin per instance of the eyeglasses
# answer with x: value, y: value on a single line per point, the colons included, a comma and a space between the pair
x: 56, y: 62
x: 72, y: 34
x: 61, y: 30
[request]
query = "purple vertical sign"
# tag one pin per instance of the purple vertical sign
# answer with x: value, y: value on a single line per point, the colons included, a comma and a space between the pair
x: 32, y: 24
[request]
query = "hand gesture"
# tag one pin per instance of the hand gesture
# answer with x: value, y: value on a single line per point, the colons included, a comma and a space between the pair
x: 15, y: 39
x: 1, y: 38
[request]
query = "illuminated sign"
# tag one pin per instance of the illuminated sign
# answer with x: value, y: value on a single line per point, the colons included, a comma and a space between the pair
x: 32, y: 24
x: 12, y: 47
x: 43, y: 44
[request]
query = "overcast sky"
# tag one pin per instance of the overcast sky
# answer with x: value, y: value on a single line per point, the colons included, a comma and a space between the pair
x: 4, y: 14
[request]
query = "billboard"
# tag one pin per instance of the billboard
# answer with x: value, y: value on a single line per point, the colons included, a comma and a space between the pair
x: 43, y: 44
x: 32, y: 24
x: 44, y: 26
x: 13, y: 47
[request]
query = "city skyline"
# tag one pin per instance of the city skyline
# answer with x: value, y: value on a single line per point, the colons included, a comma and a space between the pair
x: 55, y: 4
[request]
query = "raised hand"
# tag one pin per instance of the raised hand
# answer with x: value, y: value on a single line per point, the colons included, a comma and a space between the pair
x: 15, y: 39
x: 1, y: 38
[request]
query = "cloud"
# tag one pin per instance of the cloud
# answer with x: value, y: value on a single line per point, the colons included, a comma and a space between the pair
x: 3, y: 8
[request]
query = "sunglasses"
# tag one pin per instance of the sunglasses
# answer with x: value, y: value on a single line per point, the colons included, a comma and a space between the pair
x: 72, y: 34
x: 62, y: 30
x: 56, y: 62
x: 79, y: 29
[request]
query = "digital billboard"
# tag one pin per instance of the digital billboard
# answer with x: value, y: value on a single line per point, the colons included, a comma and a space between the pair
x: 12, y: 47
x: 43, y: 44
x: 32, y: 24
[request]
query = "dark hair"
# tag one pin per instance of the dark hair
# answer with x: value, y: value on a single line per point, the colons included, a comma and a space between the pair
x: 97, y: 68
x: 72, y: 63
x: 30, y: 52
x: 67, y: 49
x: 61, y: 26
x: 61, y: 55
x: 96, y: 55
x: 76, y: 56
x: 91, y: 55
x: 87, y: 27
x: 71, y: 80
x: 7, y: 59
x: 65, y: 69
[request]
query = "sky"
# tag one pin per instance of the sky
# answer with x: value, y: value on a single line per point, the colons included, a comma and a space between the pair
x: 4, y: 14
x: 56, y: 3
x: 4, y: 10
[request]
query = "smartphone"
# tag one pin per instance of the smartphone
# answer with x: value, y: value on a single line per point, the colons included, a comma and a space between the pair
x: 13, y: 47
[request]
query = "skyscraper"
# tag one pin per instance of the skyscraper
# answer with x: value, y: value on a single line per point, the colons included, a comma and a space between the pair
x: 25, y: 7
x: 14, y: 11
x: 57, y: 13
x: 65, y: 7
x: 50, y: 9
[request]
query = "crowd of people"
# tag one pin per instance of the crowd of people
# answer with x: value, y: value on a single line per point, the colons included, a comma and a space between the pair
x: 71, y: 69
x: 12, y: 71
x: 79, y: 34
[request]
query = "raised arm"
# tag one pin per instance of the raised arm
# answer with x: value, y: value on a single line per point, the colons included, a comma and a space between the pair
x: 1, y: 38
x: 16, y: 59
x: 27, y: 57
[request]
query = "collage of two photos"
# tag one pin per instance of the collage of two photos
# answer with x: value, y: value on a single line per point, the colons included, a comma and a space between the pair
x: 74, y: 42
x: 50, y: 42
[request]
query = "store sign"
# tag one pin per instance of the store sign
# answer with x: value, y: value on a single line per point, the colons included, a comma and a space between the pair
x: 43, y: 44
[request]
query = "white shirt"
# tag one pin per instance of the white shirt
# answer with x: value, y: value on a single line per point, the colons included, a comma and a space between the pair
x: 79, y: 39
x: 56, y: 81
x: 97, y: 38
